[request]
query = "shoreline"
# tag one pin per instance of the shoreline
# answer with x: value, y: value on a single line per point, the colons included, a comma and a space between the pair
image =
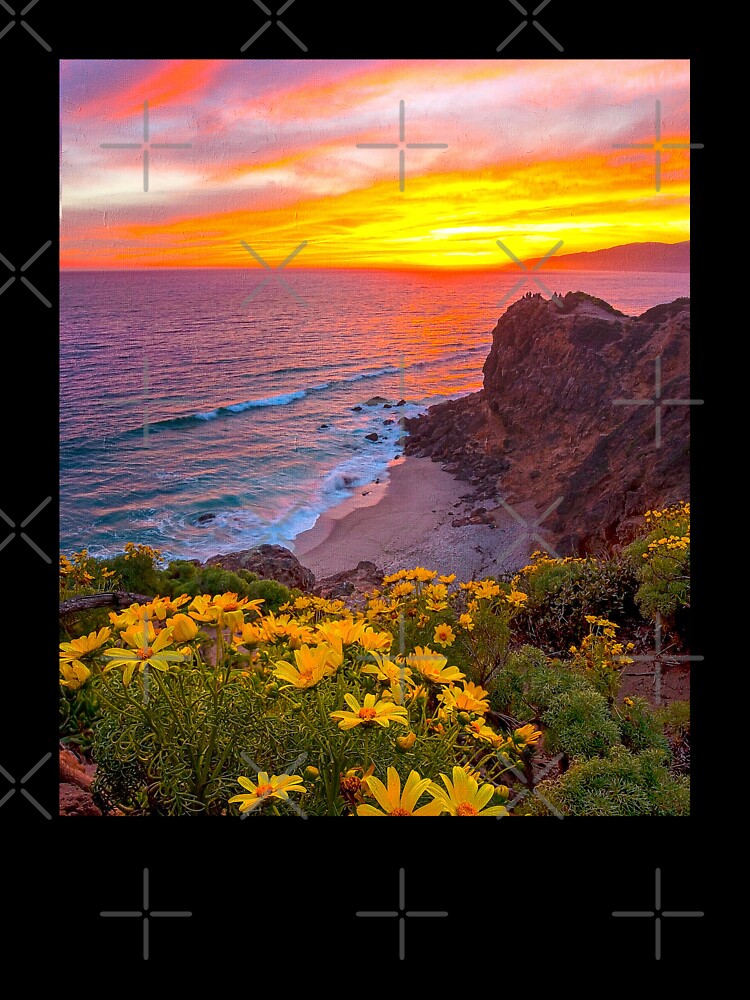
x: 408, y: 521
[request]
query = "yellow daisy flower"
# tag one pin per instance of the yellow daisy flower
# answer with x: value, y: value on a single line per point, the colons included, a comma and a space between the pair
x: 147, y: 650
x: 371, y: 712
x: 346, y: 630
x: 432, y: 666
x: 464, y: 797
x: 183, y: 628
x: 525, y: 737
x: 435, y: 605
x: 395, y: 803
x: 467, y: 622
x: 74, y: 674
x: 312, y: 666
x: 129, y: 616
x: 422, y: 574
x: 267, y: 788
x: 84, y: 645
x: 472, y: 698
x: 372, y: 640
x: 443, y: 635
x: 163, y: 607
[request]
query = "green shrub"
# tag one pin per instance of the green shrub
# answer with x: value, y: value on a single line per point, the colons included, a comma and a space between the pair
x: 660, y: 559
x: 621, y: 784
x: 640, y: 729
x: 182, y: 577
x: 579, y: 724
x: 137, y: 572
x: 528, y: 683
x: 563, y: 591
x: 675, y: 718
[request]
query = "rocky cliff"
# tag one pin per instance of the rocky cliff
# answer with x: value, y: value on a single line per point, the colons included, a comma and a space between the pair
x: 547, y: 427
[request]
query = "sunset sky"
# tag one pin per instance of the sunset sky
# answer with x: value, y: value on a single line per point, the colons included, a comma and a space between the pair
x: 273, y: 161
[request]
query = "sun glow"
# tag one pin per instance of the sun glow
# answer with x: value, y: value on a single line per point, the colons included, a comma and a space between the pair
x: 530, y: 160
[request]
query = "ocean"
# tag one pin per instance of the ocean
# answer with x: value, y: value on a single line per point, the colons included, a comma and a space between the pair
x: 204, y: 411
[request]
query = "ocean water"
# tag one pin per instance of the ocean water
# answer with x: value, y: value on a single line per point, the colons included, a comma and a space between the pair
x: 199, y: 421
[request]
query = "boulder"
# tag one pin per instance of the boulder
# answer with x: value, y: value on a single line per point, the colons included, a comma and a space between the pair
x: 351, y: 584
x: 269, y: 562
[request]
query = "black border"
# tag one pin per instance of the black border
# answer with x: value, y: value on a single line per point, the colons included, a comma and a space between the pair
x: 529, y: 904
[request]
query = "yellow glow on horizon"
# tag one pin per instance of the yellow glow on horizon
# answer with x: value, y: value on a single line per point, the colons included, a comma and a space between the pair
x: 449, y: 220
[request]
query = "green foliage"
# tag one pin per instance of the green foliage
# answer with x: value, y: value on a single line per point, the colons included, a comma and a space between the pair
x: 661, y: 562
x: 82, y: 575
x: 640, y: 729
x: 621, y: 784
x: 136, y: 573
x: 79, y: 711
x: 175, y: 744
x: 141, y: 570
x: 529, y: 682
x: 563, y: 591
x: 579, y: 723
x: 183, y: 577
x: 675, y: 718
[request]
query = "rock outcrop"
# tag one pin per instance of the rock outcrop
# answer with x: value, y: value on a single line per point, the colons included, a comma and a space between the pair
x: 269, y: 562
x: 352, y: 584
x: 547, y: 426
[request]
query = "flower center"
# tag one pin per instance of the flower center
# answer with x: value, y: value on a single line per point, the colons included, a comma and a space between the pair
x: 367, y: 713
x: 230, y: 607
x: 398, y: 811
x: 262, y: 790
x: 305, y: 676
x: 146, y: 653
x: 466, y: 809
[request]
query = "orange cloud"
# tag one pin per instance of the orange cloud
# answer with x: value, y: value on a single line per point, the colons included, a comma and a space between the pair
x: 174, y: 81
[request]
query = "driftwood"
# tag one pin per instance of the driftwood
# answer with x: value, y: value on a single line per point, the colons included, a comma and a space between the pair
x: 112, y: 599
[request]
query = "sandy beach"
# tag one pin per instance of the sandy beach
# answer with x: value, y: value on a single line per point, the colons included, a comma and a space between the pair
x: 407, y: 521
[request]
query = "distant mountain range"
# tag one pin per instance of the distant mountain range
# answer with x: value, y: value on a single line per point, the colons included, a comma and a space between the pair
x: 628, y: 257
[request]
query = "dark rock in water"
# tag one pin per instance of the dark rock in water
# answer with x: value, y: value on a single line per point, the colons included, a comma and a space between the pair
x: 269, y: 562
x: 357, y: 409
x: 376, y: 480
x: 323, y: 427
x: 367, y: 493
x: 402, y: 441
x: 205, y: 518
x: 352, y: 583
x: 386, y: 422
x: 401, y: 402
x: 371, y: 437
x: 374, y: 400
x: 387, y: 406
x: 550, y: 379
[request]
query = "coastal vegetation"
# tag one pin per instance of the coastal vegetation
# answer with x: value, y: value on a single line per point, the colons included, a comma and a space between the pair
x: 226, y: 694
